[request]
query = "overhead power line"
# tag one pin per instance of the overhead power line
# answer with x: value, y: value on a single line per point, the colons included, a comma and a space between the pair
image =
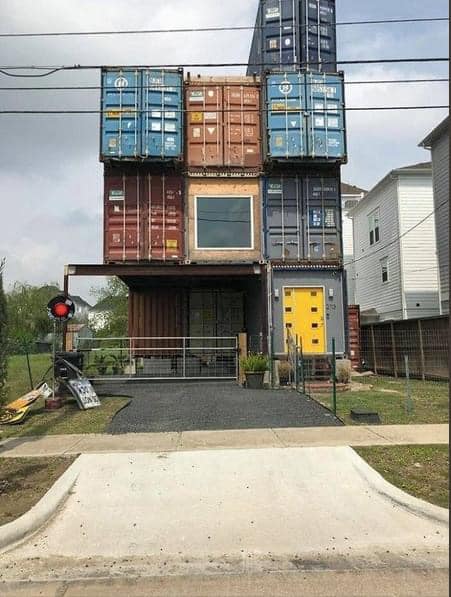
x: 132, y: 87
x: 295, y: 65
x: 238, y: 110
x: 212, y: 29
x: 398, y: 238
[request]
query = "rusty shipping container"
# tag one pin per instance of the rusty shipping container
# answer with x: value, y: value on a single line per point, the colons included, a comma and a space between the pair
x: 143, y: 216
x: 223, y: 124
x: 224, y: 220
x: 155, y: 313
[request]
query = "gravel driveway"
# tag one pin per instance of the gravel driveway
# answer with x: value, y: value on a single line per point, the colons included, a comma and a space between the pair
x: 164, y: 407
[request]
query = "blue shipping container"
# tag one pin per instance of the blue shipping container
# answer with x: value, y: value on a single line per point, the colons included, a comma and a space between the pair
x: 142, y: 114
x: 305, y: 117
x: 295, y: 34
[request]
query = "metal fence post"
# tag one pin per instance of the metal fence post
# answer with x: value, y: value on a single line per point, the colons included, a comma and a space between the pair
x: 184, y: 359
x: 409, y: 402
x: 130, y: 350
x: 423, y: 365
x: 334, y: 378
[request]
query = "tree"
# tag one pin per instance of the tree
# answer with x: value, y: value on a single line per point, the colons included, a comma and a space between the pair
x: 3, y: 336
x: 27, y: 313
x: 111, y: 309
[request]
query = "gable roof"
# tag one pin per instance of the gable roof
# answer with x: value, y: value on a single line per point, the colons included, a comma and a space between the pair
x: 439, y: 130
x: 349, y: 189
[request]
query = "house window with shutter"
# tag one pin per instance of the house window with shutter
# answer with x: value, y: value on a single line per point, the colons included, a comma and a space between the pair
x: 374, y: 226
x: 384, y: 270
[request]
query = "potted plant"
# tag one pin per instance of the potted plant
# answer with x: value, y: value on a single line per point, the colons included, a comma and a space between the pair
x: 119, y: 363
x: 254, y: 367
x: 101, y: 362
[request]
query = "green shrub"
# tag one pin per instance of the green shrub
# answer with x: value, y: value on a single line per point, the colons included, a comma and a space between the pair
x: 254, y: 363
x: 343, y: 371
x: 285, y: 371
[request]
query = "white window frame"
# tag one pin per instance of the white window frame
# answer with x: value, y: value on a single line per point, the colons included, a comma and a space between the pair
x: 196, y: 238
x: 384, y: 263
x: 372, y: 228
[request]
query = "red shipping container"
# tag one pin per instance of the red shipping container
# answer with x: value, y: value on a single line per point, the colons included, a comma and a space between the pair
x: 354, y: 336
x: 223, y: 123
x: 143, y: 216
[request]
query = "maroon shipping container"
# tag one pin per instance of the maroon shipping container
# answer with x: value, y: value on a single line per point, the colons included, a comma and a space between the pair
x: 354, y: 336
x: 223, y: 124
x: 143, y: 216
x: 155, y: 313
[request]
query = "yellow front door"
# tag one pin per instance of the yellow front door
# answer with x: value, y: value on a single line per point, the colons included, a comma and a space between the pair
x: 303, y: 310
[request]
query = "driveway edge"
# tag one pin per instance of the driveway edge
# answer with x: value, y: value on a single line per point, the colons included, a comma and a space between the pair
x: 398, y: 497
x: 30, y: 522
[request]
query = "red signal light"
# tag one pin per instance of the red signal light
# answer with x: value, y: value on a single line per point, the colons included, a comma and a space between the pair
x: 60, y: 310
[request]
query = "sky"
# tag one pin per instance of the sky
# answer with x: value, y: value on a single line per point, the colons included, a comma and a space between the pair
x: 50, y: 176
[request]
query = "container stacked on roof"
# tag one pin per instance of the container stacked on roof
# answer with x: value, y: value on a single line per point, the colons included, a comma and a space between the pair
x: 304, y: 144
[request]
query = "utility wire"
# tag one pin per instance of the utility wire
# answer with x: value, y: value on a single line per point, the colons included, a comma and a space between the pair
x: 292, y: 67
x: 231, y: 84
x: 397, y: 239
x: 214, y: 29
x: 246, y: 111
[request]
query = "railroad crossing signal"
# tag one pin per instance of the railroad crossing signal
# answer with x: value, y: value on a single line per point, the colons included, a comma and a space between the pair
x: 61, y: 308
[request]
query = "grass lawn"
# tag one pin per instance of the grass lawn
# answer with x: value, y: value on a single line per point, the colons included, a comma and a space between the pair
x: 69, y: 419
x: 421, y: 471
x: 18, y: 381
x: 23, y: 481
x: 387, y: 396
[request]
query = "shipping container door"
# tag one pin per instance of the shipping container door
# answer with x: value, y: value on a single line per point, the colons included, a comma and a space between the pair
x: 162, y: 114
x: 205, y: 123
x: 164, y: 228
x: 304, y: 317
x: 242, y: 126
x: 280, y: 35
x: 325, y: 107
x: 318, y: 35
x: 283, y: 207
x: 286, y: 121
x: 123, y: 219
x: 121, y: 105
x: 322, y: 220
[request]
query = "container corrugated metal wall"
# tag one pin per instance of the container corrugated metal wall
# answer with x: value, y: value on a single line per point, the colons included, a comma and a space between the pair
x: 354, y: 336
x: 142, y: 114
x: 295, y: 34
x: 305, y: 117
x: 143, y: 216
x: 302, y: 218
x: 223, y: 124
x: 155, y: 313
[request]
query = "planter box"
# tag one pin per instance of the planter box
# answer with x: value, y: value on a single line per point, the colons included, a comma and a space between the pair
x: 254, y: 381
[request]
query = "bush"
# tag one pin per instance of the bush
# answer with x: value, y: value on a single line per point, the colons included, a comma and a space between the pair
x: 343, y: 371
x: 285, y: 372
x: 254, y: 363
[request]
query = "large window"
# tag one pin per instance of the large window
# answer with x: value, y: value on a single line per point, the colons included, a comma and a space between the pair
x: 373, y: 224
x: 224, y: 223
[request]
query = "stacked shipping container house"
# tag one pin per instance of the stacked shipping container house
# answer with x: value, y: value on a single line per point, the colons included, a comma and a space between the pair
x: 230, y: 186
x: 303, y: 116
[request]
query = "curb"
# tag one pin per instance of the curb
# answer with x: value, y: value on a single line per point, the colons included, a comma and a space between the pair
x: 40, y: 514
x: 398, y: 497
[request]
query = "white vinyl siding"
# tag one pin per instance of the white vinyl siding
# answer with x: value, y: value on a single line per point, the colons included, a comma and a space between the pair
x: 440, y: 173
x: 418, y: 247
x: 370, y: 293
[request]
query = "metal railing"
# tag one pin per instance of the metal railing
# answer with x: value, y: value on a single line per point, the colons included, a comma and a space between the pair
x: 159, y: 358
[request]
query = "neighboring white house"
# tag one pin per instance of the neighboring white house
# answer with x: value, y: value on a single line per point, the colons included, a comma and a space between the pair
x: 396, y: 272
x: 438, y: 142
x: 350, y: 197
x: 99, y: 315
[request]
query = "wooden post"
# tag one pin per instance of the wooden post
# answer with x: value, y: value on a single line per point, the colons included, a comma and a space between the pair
x: 423, y: 365
x: 374, y: 350
x: 242, y: 352
x: 393, y: 345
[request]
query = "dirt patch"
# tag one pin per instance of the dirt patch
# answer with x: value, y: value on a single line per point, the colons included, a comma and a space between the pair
x: 23, y: 481
x: 360, y: 387
x: 385, y: 391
